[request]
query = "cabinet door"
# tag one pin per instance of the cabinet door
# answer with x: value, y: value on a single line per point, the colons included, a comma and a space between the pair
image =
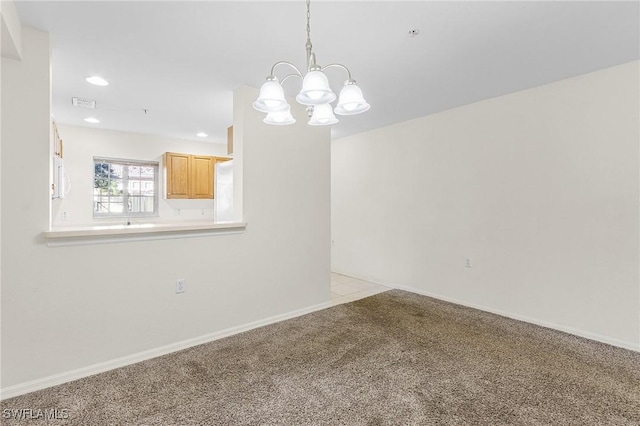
x: 177, y: 171
x: 202, y: 169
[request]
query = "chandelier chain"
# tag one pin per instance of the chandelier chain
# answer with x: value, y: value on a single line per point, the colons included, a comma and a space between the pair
x: 308, y: 26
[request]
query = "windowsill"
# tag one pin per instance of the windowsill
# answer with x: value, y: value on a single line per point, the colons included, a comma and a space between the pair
x: 138, y: 232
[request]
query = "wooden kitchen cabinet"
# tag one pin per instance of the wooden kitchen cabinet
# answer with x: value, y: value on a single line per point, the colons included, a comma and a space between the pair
x: 230, y: 140
x: 190, y: 176
x: 202, y: 176
x: 176, y: 167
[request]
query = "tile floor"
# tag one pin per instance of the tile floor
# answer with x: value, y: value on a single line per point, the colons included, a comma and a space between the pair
x: 346, y: 289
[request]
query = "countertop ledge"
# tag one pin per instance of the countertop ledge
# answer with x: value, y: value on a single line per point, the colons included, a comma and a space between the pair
x: 138, y: 232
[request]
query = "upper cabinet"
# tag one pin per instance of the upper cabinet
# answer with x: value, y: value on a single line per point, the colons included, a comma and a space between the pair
x: 176, y: 168
x: 190, y: 176
x: 230, y: 140
x: 202, y: 176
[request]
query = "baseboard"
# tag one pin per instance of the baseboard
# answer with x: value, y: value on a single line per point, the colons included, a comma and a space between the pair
x: 576, y: 332
x: 58, y: 379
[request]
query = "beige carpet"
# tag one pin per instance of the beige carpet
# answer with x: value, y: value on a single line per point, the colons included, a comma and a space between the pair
x: 393, y: 358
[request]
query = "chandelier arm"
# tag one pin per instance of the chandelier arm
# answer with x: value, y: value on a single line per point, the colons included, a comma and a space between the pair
x: 273, y: 68
x: 339, y: 66
x: 290, y: 75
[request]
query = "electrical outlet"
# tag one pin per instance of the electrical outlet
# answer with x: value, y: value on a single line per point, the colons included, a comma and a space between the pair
x: 467, y: 263
x: 178, y: 212
x: 65, y: 215
x: 181, y: 285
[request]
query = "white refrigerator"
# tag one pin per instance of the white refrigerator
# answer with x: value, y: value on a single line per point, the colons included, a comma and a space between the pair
x: 224, y: 192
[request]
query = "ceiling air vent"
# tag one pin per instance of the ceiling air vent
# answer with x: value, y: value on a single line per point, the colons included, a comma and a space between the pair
x: 83, y: 103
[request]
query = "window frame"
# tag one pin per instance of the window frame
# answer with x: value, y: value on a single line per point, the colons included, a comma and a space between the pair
x: 125, y: 162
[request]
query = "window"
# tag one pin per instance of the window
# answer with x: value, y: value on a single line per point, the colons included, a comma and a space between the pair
x: 123, y: 188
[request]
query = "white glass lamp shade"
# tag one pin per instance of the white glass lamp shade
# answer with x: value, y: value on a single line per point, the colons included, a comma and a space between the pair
x: 271, y: 98
x: 280, y: 118
x: 315, y: 89
x: 322, y: 116
x: 351, y: 100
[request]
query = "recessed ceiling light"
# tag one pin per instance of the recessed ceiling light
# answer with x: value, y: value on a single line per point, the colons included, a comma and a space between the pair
x: 92, y: 120
x: 202, y: 135
x: 98, y: 81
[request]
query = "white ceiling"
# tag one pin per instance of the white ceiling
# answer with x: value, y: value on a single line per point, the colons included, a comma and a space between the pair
x: 182, y: 60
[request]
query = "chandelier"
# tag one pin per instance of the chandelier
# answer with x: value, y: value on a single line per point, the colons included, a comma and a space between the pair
x: 315, y: 94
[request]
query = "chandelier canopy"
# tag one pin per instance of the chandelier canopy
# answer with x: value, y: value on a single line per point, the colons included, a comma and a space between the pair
x: 315, y: 93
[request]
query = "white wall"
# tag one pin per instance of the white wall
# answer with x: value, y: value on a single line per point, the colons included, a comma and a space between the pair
x: 540, y: 189
x: 11, y: 30
x: 81, y: 144
x: 67, y: 308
